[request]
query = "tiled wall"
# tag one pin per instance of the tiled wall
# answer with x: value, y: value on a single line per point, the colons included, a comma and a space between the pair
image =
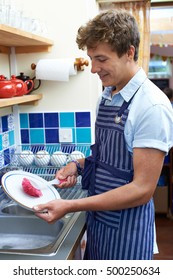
x: 43, y: 128
x: 7, y: 140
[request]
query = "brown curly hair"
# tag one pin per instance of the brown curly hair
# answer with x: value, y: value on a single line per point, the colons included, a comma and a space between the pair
x: 118, y: 28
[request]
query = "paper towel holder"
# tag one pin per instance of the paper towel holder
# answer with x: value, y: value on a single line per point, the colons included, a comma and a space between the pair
x: 79, y: 64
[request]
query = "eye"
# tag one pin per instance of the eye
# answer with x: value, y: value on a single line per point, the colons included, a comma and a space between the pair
x: 102, y: 59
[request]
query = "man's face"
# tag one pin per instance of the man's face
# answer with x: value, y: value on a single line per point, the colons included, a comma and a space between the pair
x: 106, y: 63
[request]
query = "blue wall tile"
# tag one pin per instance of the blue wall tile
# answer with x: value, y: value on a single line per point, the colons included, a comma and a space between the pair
x: 83, y: 135
x: 74, y: 135
x: 83, y: 119
x: 37, y: 136
x: 51, y: 119
x: 1, y: 142
x: 67, y: 119
x: 52, y: 136
x: 11, y: 138
x: 24, y: 123
x: 4, y: 123
x: 36, y: 120
x: 25, y: 136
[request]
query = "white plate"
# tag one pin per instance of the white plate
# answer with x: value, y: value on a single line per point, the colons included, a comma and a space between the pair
x: 12, y: 185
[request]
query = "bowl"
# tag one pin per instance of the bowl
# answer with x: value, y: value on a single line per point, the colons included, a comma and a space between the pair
x: 58, y: 159
x: 42, y: 158
x: 75, y: 155
x: 26, y: 158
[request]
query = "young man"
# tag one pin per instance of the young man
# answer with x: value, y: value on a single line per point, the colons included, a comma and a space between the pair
x: 133, y: 133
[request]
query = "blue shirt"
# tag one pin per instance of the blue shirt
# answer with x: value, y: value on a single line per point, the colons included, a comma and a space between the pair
x: 150, y: 120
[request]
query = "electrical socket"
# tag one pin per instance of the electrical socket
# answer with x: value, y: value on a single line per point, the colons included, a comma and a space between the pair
x: 65, y: 135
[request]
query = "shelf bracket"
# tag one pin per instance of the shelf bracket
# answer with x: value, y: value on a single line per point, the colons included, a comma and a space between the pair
x: 13, y: 63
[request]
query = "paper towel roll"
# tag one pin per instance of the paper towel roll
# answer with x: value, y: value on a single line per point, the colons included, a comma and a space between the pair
x: 55, y: 69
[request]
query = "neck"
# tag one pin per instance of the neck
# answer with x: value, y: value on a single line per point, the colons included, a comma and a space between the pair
x: 132, y: 73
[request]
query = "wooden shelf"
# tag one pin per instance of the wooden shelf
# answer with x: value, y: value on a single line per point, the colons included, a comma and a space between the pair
x: 23, y: 100
x: 24, y: 42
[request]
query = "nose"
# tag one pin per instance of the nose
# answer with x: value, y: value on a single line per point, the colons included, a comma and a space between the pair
x: 94, y: 68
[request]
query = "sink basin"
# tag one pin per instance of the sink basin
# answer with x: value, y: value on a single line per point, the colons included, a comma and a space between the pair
x: 15, y: 209
x: 31, y: 233
x: 25, y: 236
x: 22, y: 233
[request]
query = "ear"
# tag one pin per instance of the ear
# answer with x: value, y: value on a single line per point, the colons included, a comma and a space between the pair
x: 131, y: 52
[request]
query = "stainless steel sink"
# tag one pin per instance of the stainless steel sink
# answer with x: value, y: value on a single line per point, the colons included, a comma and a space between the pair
x: 22, y: 233
x: 19, y: 233
x: 15, y: 209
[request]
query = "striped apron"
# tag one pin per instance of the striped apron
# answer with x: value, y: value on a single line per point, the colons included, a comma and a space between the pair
x: 125, y: 234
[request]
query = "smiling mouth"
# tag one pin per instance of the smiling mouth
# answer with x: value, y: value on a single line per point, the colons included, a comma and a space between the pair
x: 103, y: 76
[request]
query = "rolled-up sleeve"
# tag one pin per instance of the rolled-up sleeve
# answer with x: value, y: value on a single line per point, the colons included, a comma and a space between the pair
x: 153, y: 129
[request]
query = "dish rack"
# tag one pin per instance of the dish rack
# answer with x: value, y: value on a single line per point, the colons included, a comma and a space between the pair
x: 48, y: 171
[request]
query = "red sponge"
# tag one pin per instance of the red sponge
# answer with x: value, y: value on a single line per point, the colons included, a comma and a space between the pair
x: 29, y: 189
